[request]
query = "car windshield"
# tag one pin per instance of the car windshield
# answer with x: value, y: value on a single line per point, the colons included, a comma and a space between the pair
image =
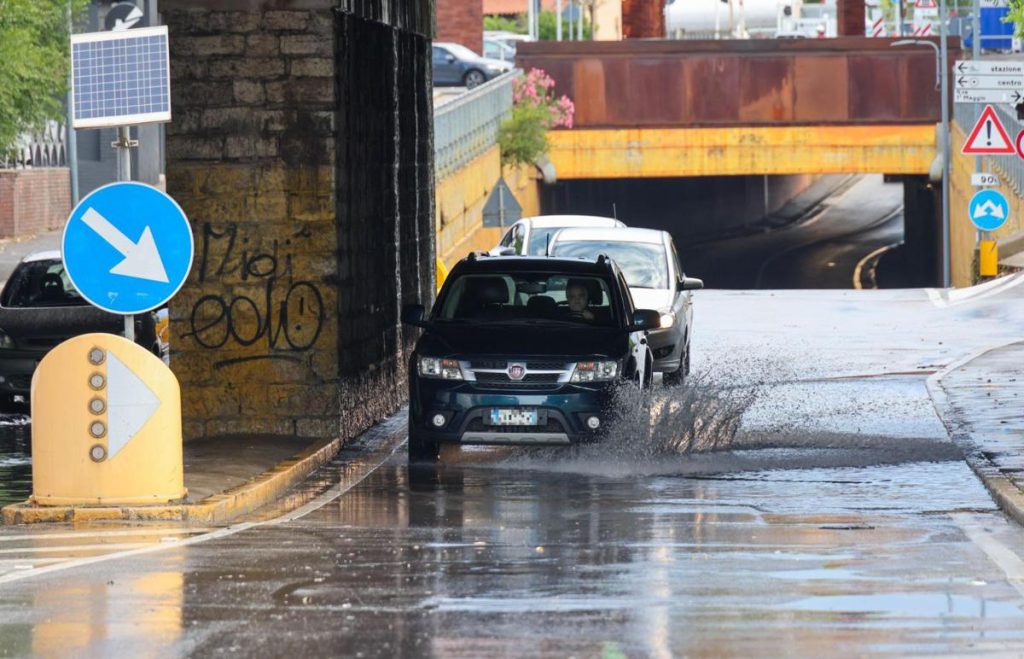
x: 531, y: 298
x: 41, y: 284
x: 539, y: 241
x: 643, y: 264
x: 461, y: 51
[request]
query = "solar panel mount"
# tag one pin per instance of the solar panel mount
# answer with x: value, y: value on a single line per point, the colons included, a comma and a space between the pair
x: 120, y: 78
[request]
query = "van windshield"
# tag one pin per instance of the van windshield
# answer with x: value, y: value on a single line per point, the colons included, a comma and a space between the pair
x: 533, y: 298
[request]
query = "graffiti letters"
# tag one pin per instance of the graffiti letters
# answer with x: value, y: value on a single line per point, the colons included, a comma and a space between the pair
x: 270, y: 306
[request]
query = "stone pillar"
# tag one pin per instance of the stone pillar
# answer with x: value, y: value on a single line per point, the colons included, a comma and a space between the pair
x: 305, y: 164
x: 643, y: 19
x: 850, y: 18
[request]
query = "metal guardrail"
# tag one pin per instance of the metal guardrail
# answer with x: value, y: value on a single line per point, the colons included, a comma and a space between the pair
x: 45, y: 148
x: 467, y: 127
x: 1009, y: 168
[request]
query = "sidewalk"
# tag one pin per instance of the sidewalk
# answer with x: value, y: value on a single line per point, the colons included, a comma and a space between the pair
x: 226, y: 477
x: 980, y: 399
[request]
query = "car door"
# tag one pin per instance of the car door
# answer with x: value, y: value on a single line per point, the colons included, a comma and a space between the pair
x: 637, y: 340
x: 683, y: 303
x: 445, y: 68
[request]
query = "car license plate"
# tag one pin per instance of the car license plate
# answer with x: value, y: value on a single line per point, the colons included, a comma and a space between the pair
x: 521, y: 416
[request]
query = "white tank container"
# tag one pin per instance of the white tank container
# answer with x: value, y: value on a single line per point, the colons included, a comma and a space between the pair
x: 740, y: 18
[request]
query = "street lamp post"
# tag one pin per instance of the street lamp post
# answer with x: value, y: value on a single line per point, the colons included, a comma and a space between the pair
x: 942, y: 82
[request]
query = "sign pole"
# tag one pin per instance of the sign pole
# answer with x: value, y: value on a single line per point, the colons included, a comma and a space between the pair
x: 944, y: 60
x: 123, y: 145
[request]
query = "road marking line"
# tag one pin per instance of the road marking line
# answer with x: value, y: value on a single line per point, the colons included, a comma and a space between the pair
x: 105, y: 534
x: 975, y: 528
x: 379, y: 458
x: 72, y: 548
x: 857, y: 284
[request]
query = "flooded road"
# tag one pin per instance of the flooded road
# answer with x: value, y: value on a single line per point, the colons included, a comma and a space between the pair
x: 799, y: 496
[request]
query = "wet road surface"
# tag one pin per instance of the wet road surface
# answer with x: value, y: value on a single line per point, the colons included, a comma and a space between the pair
x: 822, y: 251
x: 833, y: 517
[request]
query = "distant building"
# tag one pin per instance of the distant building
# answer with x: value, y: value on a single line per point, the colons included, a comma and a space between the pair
x: 462, y: 21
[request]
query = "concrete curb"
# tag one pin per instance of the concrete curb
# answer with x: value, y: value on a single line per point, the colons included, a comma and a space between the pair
x: 217, y: 508
x: 1007, y: 496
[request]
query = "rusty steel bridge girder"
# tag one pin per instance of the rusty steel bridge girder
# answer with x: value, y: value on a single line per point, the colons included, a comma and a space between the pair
x: 688, y: 84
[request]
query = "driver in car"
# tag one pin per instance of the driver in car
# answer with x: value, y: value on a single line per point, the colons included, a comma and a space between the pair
x: 578, y: 298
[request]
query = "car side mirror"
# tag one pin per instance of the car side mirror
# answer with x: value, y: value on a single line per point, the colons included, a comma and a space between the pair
x: 412, y: 314
x: 690, y: 284
x: 449, y: 58
x: 645, y: 319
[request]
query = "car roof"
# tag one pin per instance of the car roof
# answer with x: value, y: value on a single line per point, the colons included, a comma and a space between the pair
x: 48, y: 255
x: 506, y: 264
x: 625, y: 235
x: 555, y: 221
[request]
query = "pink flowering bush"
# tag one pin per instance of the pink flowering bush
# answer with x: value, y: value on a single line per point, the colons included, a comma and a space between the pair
x: 535, y: 110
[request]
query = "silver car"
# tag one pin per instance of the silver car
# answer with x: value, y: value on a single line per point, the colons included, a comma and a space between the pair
x: 650, y: 263
x: 530, y: 236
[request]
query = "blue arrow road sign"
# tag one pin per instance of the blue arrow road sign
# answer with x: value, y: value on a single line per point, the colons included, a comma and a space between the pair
x: 127, y: 248
x: 988, y: 210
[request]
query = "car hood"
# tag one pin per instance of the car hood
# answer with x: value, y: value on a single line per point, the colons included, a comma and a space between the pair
x: 519, y: 340
x: 490, y: 61
x: 651, y: 298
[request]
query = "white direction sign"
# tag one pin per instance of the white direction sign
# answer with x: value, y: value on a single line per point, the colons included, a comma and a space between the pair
x: 989, y: 67
x: 988, y: 95
x: 981, y: 81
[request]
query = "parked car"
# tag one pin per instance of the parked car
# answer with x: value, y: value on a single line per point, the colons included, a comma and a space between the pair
x: 649, y: 260
x: 531, y: 235
x: 39, y: 309
x: 495, y: 49
x: 454, y: 64
x: 524, y: 351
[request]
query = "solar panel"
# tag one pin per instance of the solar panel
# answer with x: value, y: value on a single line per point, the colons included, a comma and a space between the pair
x: 120, y: 78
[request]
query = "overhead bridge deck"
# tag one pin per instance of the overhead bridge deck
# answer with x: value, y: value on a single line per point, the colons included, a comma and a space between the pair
x: 663, y: 108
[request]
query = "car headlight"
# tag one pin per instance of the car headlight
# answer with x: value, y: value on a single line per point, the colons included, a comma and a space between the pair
x: 600, y: 371
x: 6, y: 342
x: 668, y: 319
x: 436, y: 367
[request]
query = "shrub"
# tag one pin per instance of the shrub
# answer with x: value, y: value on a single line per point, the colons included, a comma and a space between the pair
x: 535, y: 110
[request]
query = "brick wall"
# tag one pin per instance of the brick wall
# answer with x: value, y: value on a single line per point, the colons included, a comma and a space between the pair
x: 461, y: 21
x: 301, y: 151
x: 33, y: 200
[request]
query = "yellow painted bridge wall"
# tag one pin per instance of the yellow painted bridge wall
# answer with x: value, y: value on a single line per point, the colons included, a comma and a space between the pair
x: 963, y: 235
x: 460, y: 204
x: 677, y: 152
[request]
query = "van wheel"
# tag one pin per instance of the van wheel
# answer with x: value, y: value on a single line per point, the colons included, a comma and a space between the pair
x: 422, y: 450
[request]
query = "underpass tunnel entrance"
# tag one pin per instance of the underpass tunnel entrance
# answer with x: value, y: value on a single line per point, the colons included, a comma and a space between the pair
x: 792, y: 231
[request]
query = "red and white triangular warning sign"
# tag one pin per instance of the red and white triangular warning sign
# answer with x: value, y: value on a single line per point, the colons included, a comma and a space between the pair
x: 988, y: 138
x: 925, y: 4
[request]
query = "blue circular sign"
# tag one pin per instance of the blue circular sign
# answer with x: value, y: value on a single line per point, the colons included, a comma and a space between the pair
x: 988, y: 210
x: 127, y: 248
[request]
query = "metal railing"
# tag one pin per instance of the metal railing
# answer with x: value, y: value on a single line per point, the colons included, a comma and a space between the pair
x: 46, y: 148
x: 1009, y: 168
x: 465, y: 128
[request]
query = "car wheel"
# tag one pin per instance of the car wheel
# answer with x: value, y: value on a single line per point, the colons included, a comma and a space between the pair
x: 422, y: 450
x: 677, y: 376
x: 474, y: 78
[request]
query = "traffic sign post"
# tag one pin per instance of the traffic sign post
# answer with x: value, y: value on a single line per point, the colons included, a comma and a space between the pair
x: 988, y: 210
x: 128, y: 248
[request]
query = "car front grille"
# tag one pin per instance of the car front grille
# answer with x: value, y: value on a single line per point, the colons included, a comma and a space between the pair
x: 540, y: 374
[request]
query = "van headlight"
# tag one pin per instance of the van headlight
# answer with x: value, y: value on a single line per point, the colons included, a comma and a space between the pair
x: 444, y: 369
x: 600, y: 371
x: 668, y: 319
x: 6, y: 342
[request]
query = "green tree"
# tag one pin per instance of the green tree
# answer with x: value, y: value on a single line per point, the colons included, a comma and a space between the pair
x: 502, y: 24
x: 548, y: 25
x: 1016, y: 16
x: 34, y: 64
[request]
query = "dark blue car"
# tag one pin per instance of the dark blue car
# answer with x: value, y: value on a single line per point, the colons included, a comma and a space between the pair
x: 457, y: 65
x: 526, y: 351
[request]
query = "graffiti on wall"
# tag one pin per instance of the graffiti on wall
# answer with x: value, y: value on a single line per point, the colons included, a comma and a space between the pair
x: 272, y: 307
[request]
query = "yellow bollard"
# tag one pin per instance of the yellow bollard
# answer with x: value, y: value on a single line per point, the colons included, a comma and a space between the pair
x: 106, y: 425
x: 442, y: 273
x: 988, y: 258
